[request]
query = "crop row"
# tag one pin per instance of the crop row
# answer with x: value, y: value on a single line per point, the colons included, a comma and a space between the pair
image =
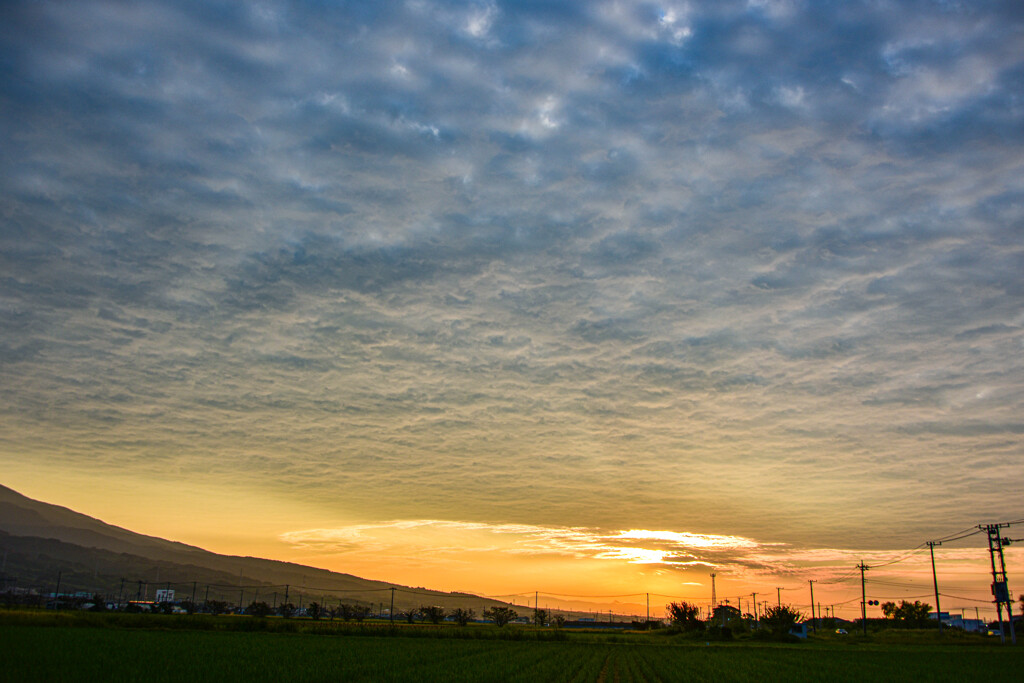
x: 41, y: 653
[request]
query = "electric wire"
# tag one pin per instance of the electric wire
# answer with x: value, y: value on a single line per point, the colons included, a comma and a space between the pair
x: 960, y: 536
x: 898, y: 559
x: 848, y: 577
x: 960, y: 597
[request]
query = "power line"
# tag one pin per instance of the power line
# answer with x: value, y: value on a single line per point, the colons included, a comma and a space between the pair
x: 570, y: 595
x: 846, y: 577
x: 899, y: 559
x: 960, y: 597
x: 959, y: 535
x: 894, y: 584
x: 845, y: 602
x: 842, y: 579
x: 971, y: 529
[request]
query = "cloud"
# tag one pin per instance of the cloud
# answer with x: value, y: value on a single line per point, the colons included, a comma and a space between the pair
x: 635, y: 546
x: 688, y: 540
x: 661, y: 255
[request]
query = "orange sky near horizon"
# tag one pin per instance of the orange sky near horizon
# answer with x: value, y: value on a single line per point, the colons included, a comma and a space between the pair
x: 580, y: 569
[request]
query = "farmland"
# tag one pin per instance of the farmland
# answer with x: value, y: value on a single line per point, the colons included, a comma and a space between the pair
x: 42, y: 649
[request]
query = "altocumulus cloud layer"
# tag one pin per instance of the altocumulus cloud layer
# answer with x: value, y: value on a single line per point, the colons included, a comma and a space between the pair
x: 738, y: 268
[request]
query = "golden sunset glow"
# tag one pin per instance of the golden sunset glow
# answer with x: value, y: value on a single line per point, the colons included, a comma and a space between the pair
x: 588, y: 300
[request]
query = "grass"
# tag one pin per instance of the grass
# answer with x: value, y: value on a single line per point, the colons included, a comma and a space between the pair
x: 57, y: 647
x: 205, y: 622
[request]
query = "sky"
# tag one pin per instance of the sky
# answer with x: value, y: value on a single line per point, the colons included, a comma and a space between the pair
x: 582, y: 297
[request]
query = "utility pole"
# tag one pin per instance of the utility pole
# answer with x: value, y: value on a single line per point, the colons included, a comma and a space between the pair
x: 863, y: 596
x: 753, y: 597
x: 935, y: 582
x: 391, y: 614
x: 778, y: 592
x: 1009, y: 602
x: 814, y: 622
x: 714, y: 600
x: 1000, y: 587
x: 285, y: 594
x: 647, y: 618
x: 193, y: 595
x: 120, y: 591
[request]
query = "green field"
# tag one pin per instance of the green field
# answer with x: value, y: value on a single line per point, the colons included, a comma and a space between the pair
x: 93, y: 652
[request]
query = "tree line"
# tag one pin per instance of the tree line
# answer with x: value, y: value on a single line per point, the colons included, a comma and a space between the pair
x: 777, y: 621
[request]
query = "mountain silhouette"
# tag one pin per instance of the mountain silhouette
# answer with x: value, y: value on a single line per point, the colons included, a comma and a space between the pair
x: 42, y: 544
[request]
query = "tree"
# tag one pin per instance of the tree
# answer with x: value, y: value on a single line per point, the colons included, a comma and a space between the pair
x: 916, y: 612
x: 558, y: 621
x: 684, y: 615
x: 98, y: 604
x: 258, y: 609
x: 408, y: 614
x: 540, y: 617
x: 315, y: 610
x: 909, y: 613
x: 727, y: 611
x: 500, y: 615
x: 286, y: 609
x: 360, y: 612
x: 779, y: 620
x: 215, y: 607
x: 728, y: 617
x: 433, y: 613
x: 462, y: 616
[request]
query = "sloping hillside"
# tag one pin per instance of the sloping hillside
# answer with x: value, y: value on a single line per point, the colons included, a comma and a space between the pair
x: 43, y: 543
